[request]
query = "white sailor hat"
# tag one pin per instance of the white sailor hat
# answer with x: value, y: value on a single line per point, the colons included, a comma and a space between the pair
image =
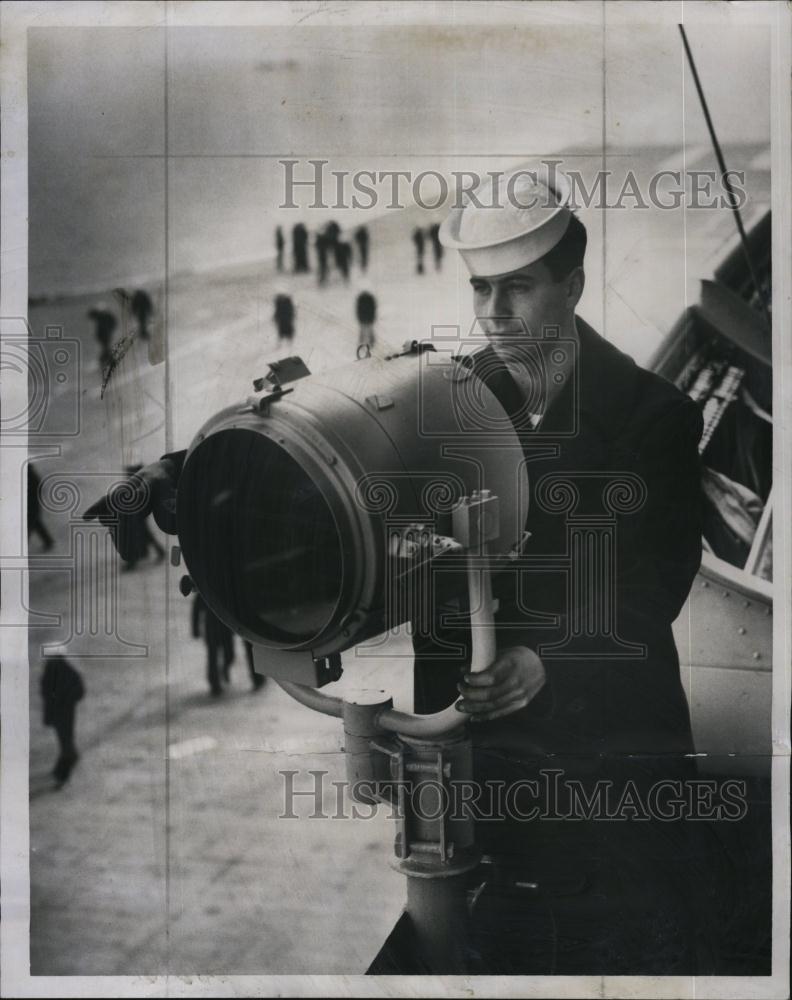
x: 510, y: 220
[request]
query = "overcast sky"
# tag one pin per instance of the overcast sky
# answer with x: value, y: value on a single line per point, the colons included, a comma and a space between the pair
x: 365, y: 98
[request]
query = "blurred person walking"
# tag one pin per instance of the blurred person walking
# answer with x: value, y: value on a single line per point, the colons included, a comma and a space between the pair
x: 256, y: 679
x: 142, y: 309
x: 61, y: 688
x: 437, y: 246
x: 143, y: 539
x: 366, y: 311
x: 362, y: 240
x: 35, y: 526
x: 420, y: 244
x: 280, y: 246
x: 300, y: 249
x: 219, y: 641
x: 332, y: 232
x: 284, y: 317
x: 320, y: 244
x: 343, y: 258
x: 105, y: 324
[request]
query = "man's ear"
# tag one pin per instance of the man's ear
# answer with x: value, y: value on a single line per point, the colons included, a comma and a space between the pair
x: 576, y: 282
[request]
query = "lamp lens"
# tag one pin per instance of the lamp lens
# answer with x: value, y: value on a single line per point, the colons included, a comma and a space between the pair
x: 259, y: 538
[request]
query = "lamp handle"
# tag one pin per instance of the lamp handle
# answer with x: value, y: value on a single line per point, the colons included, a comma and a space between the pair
x: 482, y: 611
x: 483, y: 651
x: 482, y: 627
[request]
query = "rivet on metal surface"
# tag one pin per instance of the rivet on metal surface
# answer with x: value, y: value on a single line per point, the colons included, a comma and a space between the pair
x: 741, y: 630
x: 725, y: 593
x: 704, y: 584
x: 756, y: 655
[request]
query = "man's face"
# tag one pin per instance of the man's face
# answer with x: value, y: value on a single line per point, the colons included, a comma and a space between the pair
x: 518, y: 307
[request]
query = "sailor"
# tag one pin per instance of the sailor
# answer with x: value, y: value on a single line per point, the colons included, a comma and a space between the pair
x: 361, y: 237
x: 300, y: 249
x: 321, y: 247
x: 62, y: 688
x: 437, y: 246
x: 419, y: 240
x: 142, y: 308
x: 366, y: 313
x: 611, y: 442
x: 283, y: 317
x: 105, y: 325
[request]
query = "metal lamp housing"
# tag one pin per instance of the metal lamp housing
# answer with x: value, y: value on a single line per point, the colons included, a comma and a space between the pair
x: 309, y: 513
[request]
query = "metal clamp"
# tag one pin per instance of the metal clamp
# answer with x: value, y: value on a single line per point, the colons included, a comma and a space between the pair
x: 476, y: 519
x: 411, y: 347
x: 271, y: 386
x: 282, y: 372
x: 418, y: 541
x: 425, y: 846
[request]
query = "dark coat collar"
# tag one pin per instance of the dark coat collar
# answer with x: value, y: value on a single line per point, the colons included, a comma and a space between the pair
x: 598, y: 396
x: 605, y: 381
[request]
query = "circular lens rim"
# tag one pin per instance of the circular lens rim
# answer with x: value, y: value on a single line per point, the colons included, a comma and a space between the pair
x: 331, y: 488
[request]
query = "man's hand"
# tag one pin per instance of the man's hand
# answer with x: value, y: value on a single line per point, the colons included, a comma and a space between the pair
x: 151, y: 490
x: 506, y: 686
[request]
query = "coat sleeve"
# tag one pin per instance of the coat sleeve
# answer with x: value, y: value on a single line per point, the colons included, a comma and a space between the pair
x: 659, y: 547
